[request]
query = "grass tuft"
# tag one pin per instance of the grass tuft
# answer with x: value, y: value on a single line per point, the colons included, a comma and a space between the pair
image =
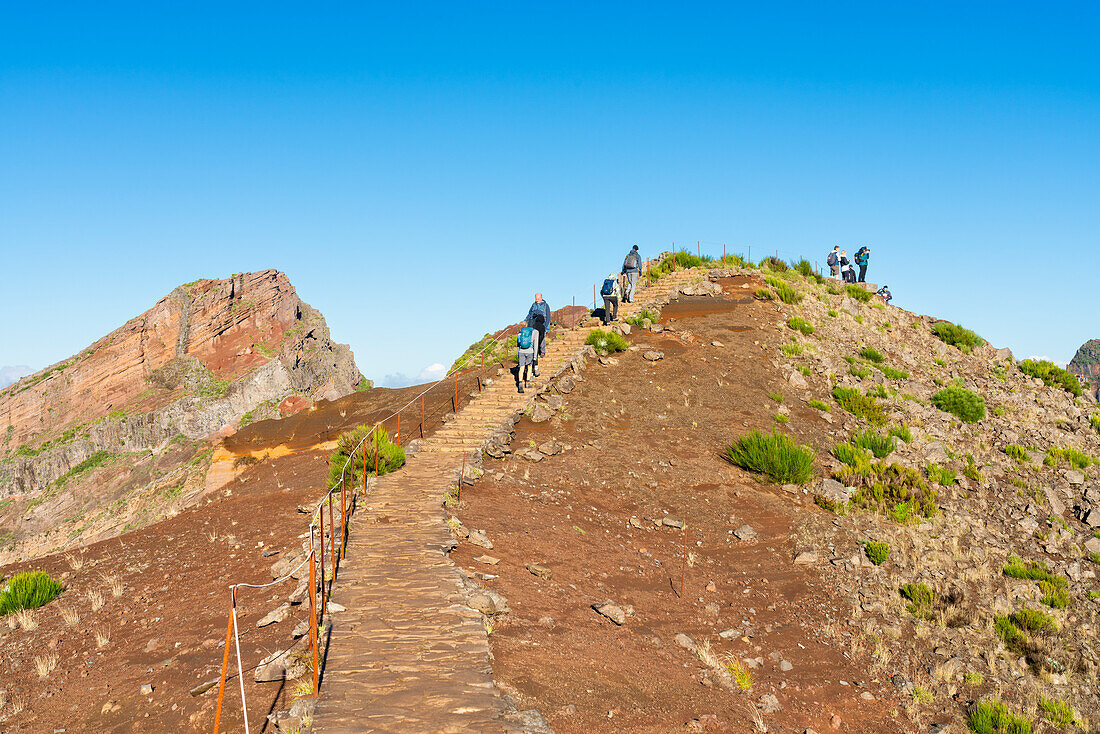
x: 872, y: 355
x: 859, y: 294
x: 1058, y: 712
x: 1017, y: 452
x: 858, y: 404
x: 921, y: 600
x: 606, y: 342
x: 775, y: 455
x: 783, y: 290
x: 819, y: 405
x: 800, y: 324
x: 390, y: 456
x: 28, y: 590
x: 902, y: 431
x: 993, y: 717
x: 880, y: 446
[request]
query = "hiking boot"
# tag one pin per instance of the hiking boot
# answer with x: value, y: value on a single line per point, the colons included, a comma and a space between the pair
x: 520, y: 388
x: 536, y: 372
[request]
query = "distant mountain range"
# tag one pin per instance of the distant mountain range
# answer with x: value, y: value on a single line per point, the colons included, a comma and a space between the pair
x: 1086, y: 363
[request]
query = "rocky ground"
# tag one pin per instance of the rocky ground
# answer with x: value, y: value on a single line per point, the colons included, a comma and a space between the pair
x: 616, y: 493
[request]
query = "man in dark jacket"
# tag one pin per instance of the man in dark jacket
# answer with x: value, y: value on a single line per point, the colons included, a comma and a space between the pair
x: 538, y: 318
x: 862, y: 256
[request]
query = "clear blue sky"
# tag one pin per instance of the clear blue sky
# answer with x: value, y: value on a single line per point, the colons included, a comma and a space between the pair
x: 419, y: 170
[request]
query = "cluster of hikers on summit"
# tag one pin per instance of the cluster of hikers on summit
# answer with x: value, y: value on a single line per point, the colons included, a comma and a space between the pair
x: 531, y: 339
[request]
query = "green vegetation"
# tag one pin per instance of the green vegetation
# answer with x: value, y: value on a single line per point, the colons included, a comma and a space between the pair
x: 1017, y: 452
x: 970, y: 471
x: 783, y: 291
x: 792, y: 350
x: 775, y: 455
x: 872, y: 355
x: 877, y: 552
x: 819, y: 405
x: 263, y: 348
x: 488, y: 349
x: 880, y: 446
x: 993, y: 717
x: 965, y: 405
x: 1034, y: 620
x: 774, y: 263
x: 973, y: 678
x: 764, y: 294
x: 363, y: 385
x: 776, y: 396
x: 606, y: 342
x: 954, y: 335
x: 375, y: 450
x: 858, y: 370
x: 921, y: 600
x: 1051, y: 375
x: 860, y: 405
x: 893, y: 374
x: 832, y: 313
x: 859, y: 294
x: 800, y: 324
x: 28, y: 590
x: 940, y: 475
x: 902, y: 431
x: 898, y: 491
x: 1053, y: 587
x: 1058, y: 712
x: 1077, y: 459
x: 781, y: 418
x: 640, y: 318
x: 672, y: 262
x: 877, y: 391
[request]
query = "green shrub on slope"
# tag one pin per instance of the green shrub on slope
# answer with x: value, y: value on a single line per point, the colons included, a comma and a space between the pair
x: 1052, y: 375
x: 775, y: 455
x: 965, y: 405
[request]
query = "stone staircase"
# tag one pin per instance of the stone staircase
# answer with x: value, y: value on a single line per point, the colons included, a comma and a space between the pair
x: 407, y: 655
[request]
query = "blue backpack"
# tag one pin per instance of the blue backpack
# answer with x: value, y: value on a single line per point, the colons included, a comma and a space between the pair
x: 523, y: 338
x: 608, y: 287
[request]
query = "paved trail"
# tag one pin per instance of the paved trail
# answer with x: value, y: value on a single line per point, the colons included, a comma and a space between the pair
x: 408, y: 655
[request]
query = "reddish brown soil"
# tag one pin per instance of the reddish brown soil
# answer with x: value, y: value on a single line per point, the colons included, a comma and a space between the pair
x: 646, y: 441
x: 168, y: 626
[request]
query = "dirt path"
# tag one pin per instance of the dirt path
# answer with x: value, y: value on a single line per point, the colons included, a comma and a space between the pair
x: 644, y: 442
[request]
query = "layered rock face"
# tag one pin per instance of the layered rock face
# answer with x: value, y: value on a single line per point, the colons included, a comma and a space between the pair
x: 1086, y: 365
x: 204, y: 356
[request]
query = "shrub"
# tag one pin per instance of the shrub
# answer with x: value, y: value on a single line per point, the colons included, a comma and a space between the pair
x: 1051, y: 374
x: 792, y: 350
x: 776, y: 396
x: 921, y: 600
x: 606, y: 342
x: 640, y: 318
x: 775, y: 455
x: 390, y: 456
x: 832, y: 313
x: 877, y: 552
x: 854, y: 457
x: 880, y: 446
x: 970, y: 471
x: 774, y: 263
x: 872, y: 355
x: 1077, y: 459
x: 902, y: 431
x: 1052, y: 586
x: 961, y: 403
x: 854, y: 291
x: 815, y: 403
x: 962, y: 339
x: 993, y: 717
x: 1094, y: 419
x: 1034, y: 620
x: 801, y: 324
x: 28, y: 590
x: 893, y: 374
x: 1058, y: 712
x: 783, y: 291
x: 1008, y: 632
x: 858, y: 404
x: 899, y: 491
x: 764, y: 294
x: 859, y: 371
x: 940, y: 475
x: 877, y: 391
x: 973, y: 678
x: 1017, y: 452
x: 782, y: 418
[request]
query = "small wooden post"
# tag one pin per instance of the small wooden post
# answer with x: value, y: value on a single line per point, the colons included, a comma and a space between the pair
x: 421, y: 416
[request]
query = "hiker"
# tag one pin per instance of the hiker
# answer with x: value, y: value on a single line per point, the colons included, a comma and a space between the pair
x: 611, y: 293
x: 833, y: 261
x: 884, y: 291
x: 632, y: 268
x: 538, y: 318
x: 862, y: 256
x: 846, y: 273
x: 525, y: 355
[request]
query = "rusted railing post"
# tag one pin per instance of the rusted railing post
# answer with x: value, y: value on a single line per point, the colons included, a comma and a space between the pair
x: 573, y: 315
x: 456, y: 392
x: 225, y: 669
x: 377, y: 449
x: 698, y: 249
x: 313, y: 609
x: 331, y: 541
x: 398, y: 439
x: 481, y: 375
x: 343, y: 515
x: 321, y: 541
x: 422, y: 416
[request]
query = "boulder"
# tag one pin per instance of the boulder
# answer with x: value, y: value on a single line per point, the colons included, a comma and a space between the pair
x: 276, y: 615
x: 480, y: 539
x: 541, y: 413
x: 833, y: 491
x: 653, y: 355
x: 286, y: 564
x: 488, y: 602
x: 555, y: 402
x: 566, y: 384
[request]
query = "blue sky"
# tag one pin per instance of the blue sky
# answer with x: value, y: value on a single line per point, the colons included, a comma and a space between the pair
x: 420, y: 170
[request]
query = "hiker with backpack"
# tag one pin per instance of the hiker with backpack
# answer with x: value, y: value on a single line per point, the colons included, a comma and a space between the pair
x: 538, y: 318
x: 862, y: 256
x: 833, y: 261
x: 611, y: 293
x: 884, y: 291
x: 525, y: 355
x: 632, y: 268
